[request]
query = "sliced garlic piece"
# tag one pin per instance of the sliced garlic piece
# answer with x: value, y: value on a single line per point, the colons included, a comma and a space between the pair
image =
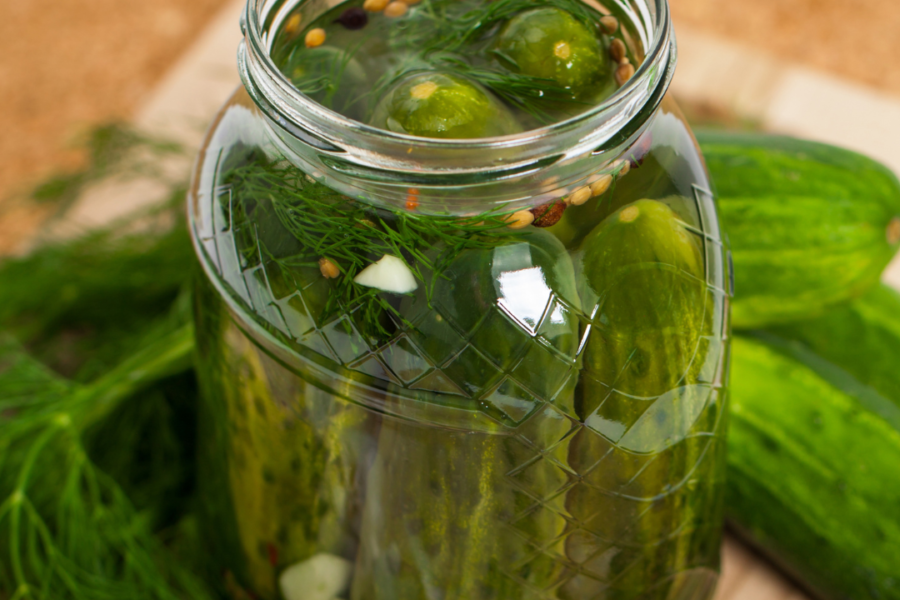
x: 389, y: 274
x: 322, y: 577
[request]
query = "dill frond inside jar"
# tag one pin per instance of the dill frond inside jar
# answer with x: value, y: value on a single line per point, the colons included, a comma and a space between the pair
x: 463, y: 326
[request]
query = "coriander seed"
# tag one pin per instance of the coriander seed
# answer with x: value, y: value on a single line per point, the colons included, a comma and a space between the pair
x: 579, y: 196
x: 328, y: 269
x: 624, y: 73
x: 610, y: 24
x: 617, y: 50
x: 520, y: 219
x: 600, y: 186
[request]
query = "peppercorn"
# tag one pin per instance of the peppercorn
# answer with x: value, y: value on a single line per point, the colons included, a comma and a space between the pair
x: 547, y: 215
x: 617, y: 50
x: 353, y: 18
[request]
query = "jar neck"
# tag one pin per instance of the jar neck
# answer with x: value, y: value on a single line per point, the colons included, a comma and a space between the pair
x: 380, y: 166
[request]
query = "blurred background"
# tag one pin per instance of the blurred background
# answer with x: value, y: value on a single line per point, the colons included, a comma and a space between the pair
x: 76, y: 76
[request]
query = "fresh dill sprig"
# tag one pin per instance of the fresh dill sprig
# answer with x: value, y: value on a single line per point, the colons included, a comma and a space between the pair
x: 69, y: 529
x: 328, y: 68
x: 320, y: 223
x: 79, y: 305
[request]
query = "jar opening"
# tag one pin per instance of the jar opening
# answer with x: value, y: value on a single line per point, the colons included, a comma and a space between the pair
x: 345, y: 150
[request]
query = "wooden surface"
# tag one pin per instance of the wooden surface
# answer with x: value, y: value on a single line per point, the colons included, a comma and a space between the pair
x: 745, y: 576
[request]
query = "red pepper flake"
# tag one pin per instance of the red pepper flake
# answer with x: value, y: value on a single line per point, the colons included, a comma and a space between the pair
x: 547, y: 215
x: 273, y: 554
x: 412, y: 199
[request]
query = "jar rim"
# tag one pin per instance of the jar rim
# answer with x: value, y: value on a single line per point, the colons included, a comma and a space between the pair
x: 330, y: 132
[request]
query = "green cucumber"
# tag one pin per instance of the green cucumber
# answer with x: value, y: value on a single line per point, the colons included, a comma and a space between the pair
x: 278, y: 481
x: 871, y: 322
x: 440, y: 499
x: 812, y: 474
x: 647, y: 390
x: 443, y: 105
x: 549, y: 43
x: 810, y: 225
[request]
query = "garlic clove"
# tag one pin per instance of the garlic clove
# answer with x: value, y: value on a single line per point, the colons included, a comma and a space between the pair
x: 390, y: 274
x: 322, y: 577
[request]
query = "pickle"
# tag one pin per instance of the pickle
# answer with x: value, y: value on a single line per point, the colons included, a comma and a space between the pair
x: 440, y: 499
x: 645, y: 401
x: 442, y: 105
x: 294, y: 468
x: 550, y: 43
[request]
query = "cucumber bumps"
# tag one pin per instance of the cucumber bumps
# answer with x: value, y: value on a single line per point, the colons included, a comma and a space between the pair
x: 812, y: 473
x: 810, y: 225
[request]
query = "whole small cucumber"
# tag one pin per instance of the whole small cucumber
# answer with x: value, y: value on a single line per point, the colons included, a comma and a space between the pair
x: 812, y: 474
x: 810, y: 225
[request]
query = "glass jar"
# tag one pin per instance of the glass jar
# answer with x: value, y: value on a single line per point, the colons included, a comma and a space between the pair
x: 511, y: 403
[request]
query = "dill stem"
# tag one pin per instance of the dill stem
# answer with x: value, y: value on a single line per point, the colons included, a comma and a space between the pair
x: 164, y: 357
x: 21, y: 592
x: 17, y: 499
x: 47, y: 538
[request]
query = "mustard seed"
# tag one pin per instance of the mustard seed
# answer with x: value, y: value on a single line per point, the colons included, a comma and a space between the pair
x: 315, y: 37
x: 293, y: 23
x: 396, y: 9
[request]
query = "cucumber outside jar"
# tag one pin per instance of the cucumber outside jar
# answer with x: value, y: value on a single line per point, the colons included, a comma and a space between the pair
x: 463, y: 327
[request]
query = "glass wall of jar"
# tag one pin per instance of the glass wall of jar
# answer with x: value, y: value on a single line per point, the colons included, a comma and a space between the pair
x: 488, y: 368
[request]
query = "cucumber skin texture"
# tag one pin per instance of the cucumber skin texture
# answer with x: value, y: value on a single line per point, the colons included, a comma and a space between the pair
x: 806, y: 223
x: 871, y: 322
x: 645, y: 272
x: 811, y: 476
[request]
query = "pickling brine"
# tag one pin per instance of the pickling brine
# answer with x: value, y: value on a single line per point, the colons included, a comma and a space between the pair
x: 463, y: 330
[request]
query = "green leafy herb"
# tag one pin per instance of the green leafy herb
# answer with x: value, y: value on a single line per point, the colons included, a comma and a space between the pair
x: 80, y: 305
x: 92, y: 467
x: 317, y: 222
x: 71, y: 531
